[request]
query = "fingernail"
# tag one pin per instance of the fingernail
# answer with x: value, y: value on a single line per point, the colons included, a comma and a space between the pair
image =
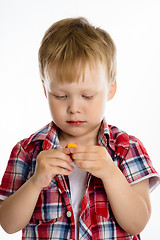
x: 67, y: 150
x: 71, y: 150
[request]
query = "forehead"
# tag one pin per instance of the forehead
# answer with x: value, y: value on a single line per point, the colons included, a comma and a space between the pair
x: 94, y: 73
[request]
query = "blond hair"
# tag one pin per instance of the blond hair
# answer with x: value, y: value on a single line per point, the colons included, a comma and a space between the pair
x: 73, y: 41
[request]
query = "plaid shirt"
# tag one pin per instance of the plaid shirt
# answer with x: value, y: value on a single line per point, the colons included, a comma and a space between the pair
x: 53, y: 215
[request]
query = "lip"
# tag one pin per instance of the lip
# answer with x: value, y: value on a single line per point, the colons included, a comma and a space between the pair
x: 75, y: 123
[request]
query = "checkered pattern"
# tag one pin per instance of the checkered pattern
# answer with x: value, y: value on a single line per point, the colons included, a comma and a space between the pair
x: 53, y: 214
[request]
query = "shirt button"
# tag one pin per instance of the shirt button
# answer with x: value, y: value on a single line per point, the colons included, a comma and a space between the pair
x: 68, y: 213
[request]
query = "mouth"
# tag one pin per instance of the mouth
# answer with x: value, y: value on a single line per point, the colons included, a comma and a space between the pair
x: 75, y: 123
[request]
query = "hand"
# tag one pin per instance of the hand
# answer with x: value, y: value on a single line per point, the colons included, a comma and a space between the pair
x: 50, y: 163
x: 93, y: 159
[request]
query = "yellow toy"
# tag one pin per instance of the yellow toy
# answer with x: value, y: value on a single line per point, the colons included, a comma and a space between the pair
x: 70, y: 145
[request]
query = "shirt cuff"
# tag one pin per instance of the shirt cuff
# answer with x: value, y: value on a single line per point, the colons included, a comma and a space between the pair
x: 154, y: 180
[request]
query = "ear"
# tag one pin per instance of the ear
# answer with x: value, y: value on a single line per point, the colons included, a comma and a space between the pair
x: 44, y: 88
x: 112, y: 90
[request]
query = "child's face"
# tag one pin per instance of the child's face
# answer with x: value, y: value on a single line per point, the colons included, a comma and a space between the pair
x: 78, y: 108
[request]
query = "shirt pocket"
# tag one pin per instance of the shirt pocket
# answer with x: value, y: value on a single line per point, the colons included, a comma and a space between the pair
x: 50, y: 206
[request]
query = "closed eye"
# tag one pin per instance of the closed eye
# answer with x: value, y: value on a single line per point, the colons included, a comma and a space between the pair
x: 89, y: 97
x: 61, y: 97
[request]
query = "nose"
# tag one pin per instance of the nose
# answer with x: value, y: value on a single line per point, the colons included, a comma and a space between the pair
x: 73, y: 106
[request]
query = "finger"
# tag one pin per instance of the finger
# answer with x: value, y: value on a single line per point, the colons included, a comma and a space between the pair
x: 84, y: 156
x: 65, y: 150
x: 60, y: 163
x: 85, y: 165
x: 83, y: 149
x: 61, y: 171
x: 58, y: 153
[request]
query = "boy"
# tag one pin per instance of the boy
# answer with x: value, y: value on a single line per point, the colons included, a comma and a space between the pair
x: 98, y: 189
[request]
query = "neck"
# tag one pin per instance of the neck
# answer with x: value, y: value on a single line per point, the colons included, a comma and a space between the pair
x: 88, y: 140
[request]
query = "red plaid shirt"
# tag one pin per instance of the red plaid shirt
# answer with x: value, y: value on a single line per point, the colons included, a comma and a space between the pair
x: 53, y: 215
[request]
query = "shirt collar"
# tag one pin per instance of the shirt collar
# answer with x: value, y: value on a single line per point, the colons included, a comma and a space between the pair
x: 108, y: 136
x: 112, y: 137
x: 49, y: 136
x: 105, y: 137
x: 51, y: 140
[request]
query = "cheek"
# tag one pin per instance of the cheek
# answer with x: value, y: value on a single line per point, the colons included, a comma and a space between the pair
x: 55, y: 108
x: 101, y: 103
x: 97, y: 111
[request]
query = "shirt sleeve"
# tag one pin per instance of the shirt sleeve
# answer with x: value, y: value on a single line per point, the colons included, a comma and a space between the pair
x: 137, y: 166
x: 16, y: 172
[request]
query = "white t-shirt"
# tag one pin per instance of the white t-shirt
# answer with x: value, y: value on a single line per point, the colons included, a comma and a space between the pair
x: 77, y: 181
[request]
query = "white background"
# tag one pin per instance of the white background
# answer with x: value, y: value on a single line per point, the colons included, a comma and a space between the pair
x: 135, y: 28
